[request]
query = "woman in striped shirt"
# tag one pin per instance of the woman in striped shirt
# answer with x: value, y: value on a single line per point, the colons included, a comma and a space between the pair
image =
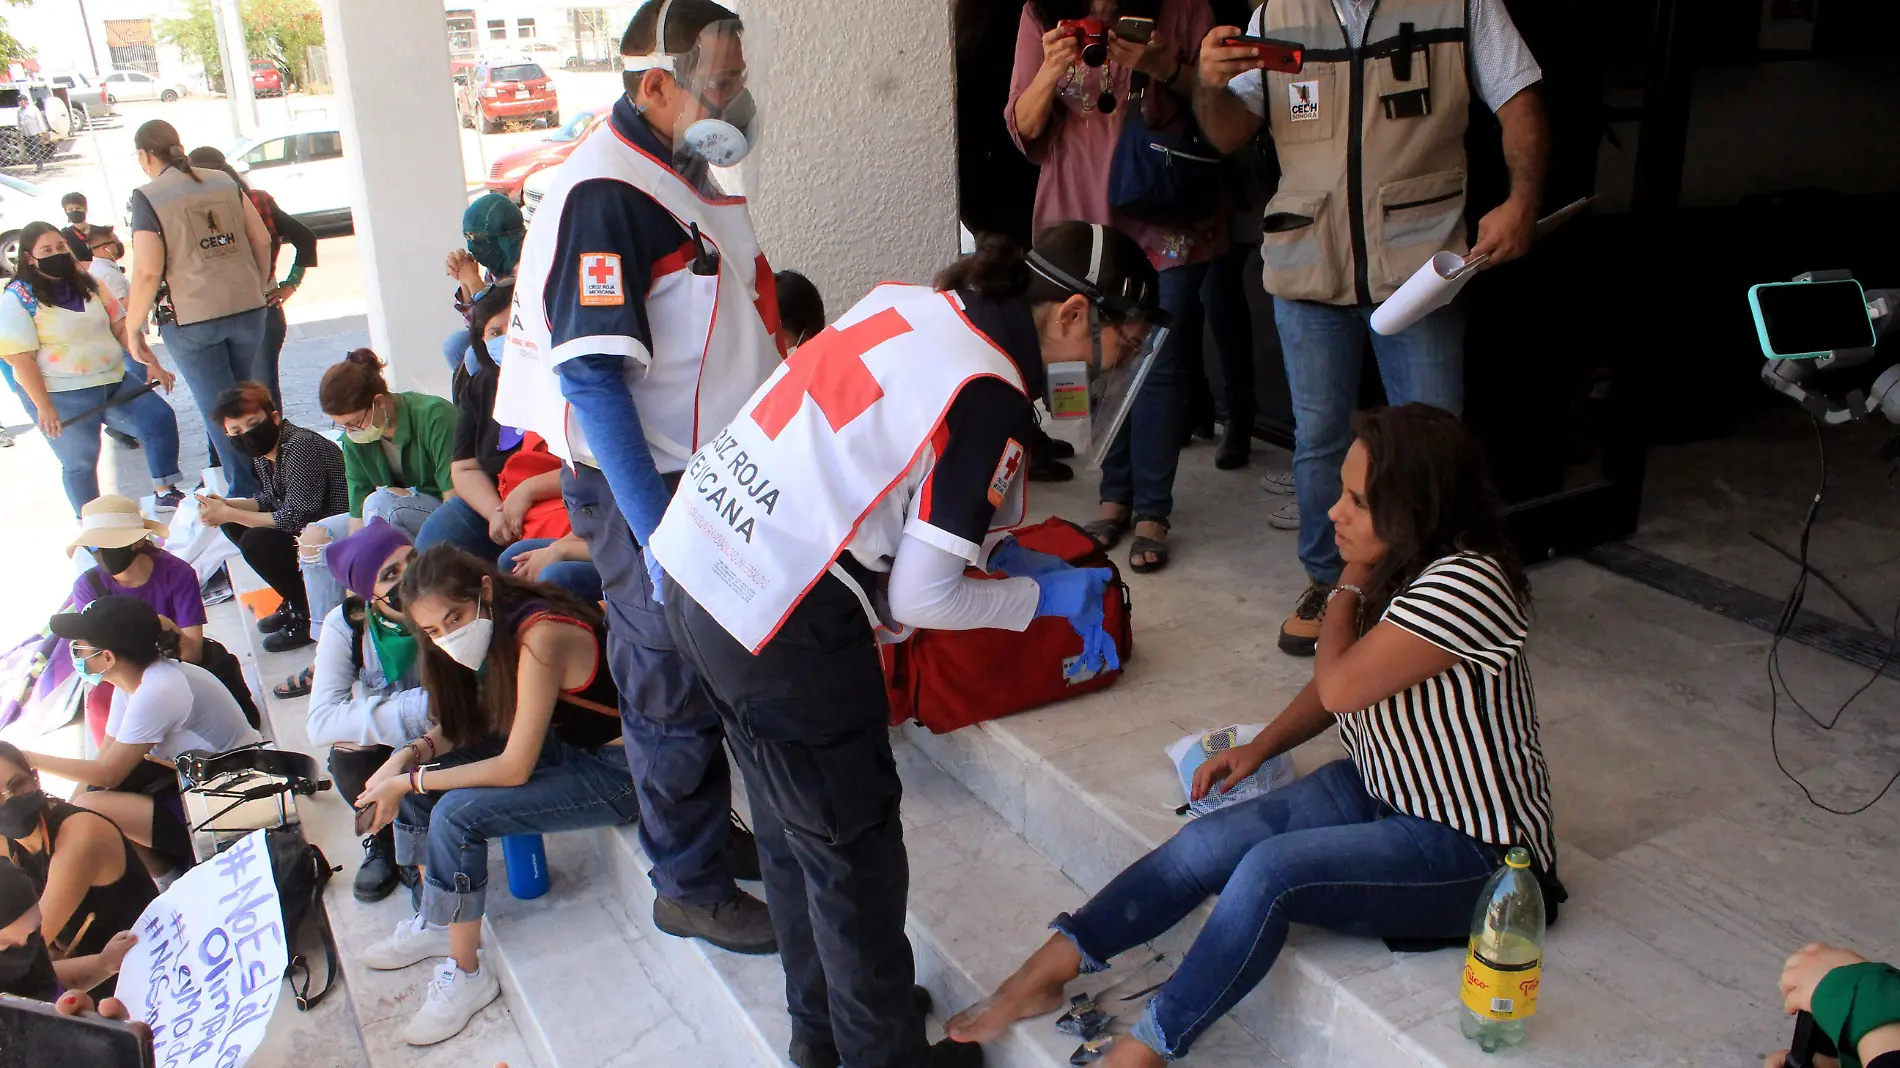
x: 1420, y: 663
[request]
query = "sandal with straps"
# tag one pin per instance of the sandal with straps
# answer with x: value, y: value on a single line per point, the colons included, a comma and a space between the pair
x: 295, y: 686
x: 1107, y: 532
x: 1144, y: 547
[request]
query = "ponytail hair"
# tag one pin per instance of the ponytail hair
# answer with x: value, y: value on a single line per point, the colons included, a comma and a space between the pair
x: 349, y: 387
x: 212, y: 159
x: 999, y: 268
x: 158, y: 138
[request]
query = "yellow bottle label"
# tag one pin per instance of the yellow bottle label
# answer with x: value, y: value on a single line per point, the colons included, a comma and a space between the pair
x: 1501, y: 991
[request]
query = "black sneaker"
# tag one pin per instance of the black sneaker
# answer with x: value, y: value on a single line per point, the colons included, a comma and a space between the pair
x: 294, y: 634
x: 377, y: 878
x: 1299, y: 635
x: 825, y: 1055
x: 1044, y: 469
x: 739, y: 924
x: 952, y: 1054
x: 270, y: 624
x: 742, y: 852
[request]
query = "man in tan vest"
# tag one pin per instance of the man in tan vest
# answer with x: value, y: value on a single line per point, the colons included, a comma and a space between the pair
x: 1370, y: 134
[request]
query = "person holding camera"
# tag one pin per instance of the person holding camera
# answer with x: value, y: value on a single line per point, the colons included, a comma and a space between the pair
x: 1855, y: 1003
x: 1079, y: 64
x: 1367, y: 116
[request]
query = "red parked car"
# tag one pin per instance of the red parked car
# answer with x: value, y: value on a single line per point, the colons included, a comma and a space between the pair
x: 267, y: 79
x: 499, y: 91
x: 508, y: 172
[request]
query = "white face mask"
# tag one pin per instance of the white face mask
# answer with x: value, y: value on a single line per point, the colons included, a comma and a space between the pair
x: 468, y: 644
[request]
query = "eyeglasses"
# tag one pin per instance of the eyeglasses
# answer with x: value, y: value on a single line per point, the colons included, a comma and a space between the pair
x: 23, y: 783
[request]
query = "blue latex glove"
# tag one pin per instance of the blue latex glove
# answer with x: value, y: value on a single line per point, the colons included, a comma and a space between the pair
x: 1011, y: 559
x: 654, y: 571
x: 1076, y: 595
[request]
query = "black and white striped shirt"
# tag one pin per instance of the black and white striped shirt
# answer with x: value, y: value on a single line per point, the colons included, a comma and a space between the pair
x: 1461, y: 748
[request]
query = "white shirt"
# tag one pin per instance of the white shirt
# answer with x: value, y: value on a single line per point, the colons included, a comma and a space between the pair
x: 348, y: 707
x: 110, y: 278
x: 179, y: 707
x: 32, y: 121
x: 1501, y: 64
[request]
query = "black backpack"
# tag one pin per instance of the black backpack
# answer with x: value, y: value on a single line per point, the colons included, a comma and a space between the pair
x: 302, y: 872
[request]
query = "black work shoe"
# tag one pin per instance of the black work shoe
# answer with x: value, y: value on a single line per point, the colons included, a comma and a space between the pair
x: 294, y: 634
x: 951, y: 1054
x: 739, y: 924
x: 274, y: 622
x: 1299, y: 635
x: 742, y: 852
x: 1235, y: 448
x: 1046, y: 469
x: 825, y: 1055
x: 376, y: 879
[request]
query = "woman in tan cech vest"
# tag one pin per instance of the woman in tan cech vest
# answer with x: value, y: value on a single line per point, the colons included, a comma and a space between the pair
x: 197, y: 233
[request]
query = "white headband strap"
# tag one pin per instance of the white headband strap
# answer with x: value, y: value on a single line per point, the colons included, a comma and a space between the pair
x: 112, y: 521
x: 1095, y: 254
x: 659, y: 58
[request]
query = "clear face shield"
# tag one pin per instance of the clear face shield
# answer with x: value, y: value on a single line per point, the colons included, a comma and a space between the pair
x: 1125, y: 334
x: 718, y: 121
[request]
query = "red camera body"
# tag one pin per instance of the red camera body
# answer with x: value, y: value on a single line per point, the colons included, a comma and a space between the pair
x: 1092, y: 34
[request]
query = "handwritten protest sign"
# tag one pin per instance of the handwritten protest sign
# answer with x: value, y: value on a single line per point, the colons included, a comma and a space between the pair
x: 209, y: 961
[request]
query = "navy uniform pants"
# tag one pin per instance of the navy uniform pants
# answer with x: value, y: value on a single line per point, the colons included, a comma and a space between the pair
x: 672, y: 731
x: 809, y: 723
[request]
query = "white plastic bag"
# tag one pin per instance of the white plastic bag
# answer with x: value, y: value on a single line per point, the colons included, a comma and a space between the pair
x: 199, y: 544
x: 1192, y: 751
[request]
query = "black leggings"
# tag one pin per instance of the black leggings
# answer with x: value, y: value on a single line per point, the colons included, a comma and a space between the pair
x: 272, y: 553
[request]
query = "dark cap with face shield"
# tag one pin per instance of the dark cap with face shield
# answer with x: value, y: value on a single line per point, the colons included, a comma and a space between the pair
x: 698, y: 43
x: 1101, y: 264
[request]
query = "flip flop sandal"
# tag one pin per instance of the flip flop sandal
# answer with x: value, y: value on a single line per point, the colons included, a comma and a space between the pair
x: 1143, y: 547
x: 294, y: 686
x: 1107, y: 532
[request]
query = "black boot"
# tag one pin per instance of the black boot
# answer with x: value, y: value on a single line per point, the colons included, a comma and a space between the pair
x: 825, y: 1055
x: 378, y: 876
x: 293, y: 634
x: 1236, y: 445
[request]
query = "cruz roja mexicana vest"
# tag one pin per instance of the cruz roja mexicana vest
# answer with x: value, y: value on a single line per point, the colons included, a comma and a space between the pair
x: 769, y: 503
x: 711, y: 345
x: 1371, y: 144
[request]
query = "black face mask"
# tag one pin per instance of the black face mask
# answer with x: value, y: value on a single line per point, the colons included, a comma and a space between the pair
x: 59, y: 265
x: 393, y: 599
x: 26, y: 970
x: 20, y: 815
x: 75, y: 215
x: 115, y: 561
x: 259, y: 440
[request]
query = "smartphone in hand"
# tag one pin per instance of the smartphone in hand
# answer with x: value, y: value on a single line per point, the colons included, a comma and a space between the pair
x: 34, y: 1035
x: 1283, y: 56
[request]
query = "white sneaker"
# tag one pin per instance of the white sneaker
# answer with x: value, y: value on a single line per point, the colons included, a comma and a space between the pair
x: 413, y: 942
x: 455, y: 996
x: 1280, y: 482
x: 1286, y: 517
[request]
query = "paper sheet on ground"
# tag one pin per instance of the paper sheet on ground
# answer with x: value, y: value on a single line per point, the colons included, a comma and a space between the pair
x: 1430, y: 288
x: 210, y: 960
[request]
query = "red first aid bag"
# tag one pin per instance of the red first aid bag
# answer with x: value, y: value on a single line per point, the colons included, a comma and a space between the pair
x: 946, y: 679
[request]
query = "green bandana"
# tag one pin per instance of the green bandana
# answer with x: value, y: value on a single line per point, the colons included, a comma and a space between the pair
x: 395, y: 647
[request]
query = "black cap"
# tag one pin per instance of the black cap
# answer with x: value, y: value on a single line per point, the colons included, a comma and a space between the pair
x: 17, y: 892
x: 117, y: 623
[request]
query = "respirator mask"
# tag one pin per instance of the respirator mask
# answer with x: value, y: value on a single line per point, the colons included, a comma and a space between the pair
x: 716, y: 73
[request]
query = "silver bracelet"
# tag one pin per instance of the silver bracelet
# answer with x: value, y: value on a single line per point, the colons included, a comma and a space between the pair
x: 1344, y: 587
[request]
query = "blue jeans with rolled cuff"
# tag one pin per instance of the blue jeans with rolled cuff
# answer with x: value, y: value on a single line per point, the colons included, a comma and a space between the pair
x: 1139, y: 468
x: 146, y: 417
x: 1321, y: 851
x: 1324, y: 347
x: 448, y: 831
x: 578, y: 577
x: 211, y: 357
x: 405, y: 512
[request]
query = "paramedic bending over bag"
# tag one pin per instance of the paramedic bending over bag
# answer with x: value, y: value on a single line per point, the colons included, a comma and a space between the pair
x: 864, y: 477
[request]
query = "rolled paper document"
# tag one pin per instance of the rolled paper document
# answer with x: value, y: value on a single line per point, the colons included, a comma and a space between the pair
x: 1430, y: 288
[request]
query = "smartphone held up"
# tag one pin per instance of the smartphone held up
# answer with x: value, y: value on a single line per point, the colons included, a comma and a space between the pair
x: 1285, y: 57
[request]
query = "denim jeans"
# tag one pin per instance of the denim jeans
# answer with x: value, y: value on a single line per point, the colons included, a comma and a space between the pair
x: 455, y: 523
x: 406, y: 513
x: 146, y: 417
x: 270, y: 350
x: 570, y: 789
x: 213, y: 356
x: 1324, y: 347
x: 1139, y: 468
x: 578, y: 577
x: 1321, y: 851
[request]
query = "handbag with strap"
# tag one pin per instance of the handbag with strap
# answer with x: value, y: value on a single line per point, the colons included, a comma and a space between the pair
x: 946, y: 679
x: 1169, y: 179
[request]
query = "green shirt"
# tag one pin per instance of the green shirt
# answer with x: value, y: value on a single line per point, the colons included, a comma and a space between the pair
x: 425, y: 440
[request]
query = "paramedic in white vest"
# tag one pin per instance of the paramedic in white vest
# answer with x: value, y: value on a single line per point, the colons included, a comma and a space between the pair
x: 644, y: 317
x: 847, y: 499
x: 1371, y: 139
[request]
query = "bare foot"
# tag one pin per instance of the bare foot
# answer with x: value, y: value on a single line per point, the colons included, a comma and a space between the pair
x: 1035, y: 990
x: 1127, y: 1052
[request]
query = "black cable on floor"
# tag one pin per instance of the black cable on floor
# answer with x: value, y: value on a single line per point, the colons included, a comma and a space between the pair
x: 1789, y: 610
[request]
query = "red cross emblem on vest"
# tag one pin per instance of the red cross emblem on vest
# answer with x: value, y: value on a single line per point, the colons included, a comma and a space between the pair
x: 830, y: 370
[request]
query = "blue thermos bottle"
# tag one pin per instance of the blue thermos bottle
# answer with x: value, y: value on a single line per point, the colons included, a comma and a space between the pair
x: 527, y: 864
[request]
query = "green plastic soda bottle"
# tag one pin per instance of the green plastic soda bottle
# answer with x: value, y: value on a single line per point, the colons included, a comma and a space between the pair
x: 1505, y: 959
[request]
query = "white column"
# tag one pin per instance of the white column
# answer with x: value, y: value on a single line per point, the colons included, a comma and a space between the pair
x: 856, y: 181
x: 390, y: 66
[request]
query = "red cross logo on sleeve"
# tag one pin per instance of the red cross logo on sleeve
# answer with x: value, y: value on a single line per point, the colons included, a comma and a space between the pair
x: 830, y: 369
x: 602, y: 272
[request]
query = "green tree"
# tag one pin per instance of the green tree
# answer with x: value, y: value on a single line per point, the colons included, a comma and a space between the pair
x: 282, y: 30
x: 10, y: 46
